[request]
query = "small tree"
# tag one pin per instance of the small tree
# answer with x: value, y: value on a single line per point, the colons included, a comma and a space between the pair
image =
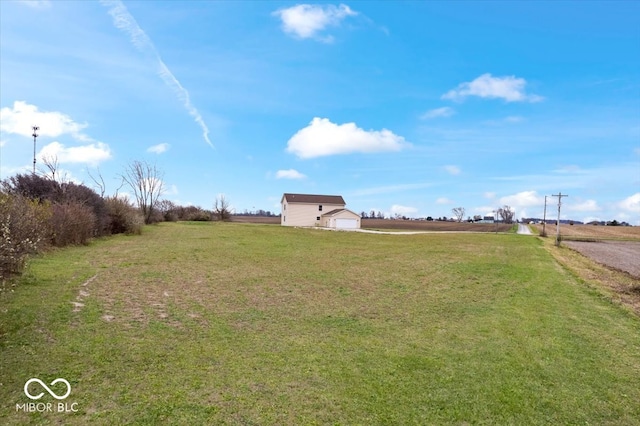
x: 221, y: 208
x: 145, y: 180
x: 458, y: 212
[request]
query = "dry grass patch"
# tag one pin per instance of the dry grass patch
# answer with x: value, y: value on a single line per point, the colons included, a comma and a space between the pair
x: 593, y: 232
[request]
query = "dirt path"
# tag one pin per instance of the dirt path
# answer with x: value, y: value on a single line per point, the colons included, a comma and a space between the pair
x: 524, y: 229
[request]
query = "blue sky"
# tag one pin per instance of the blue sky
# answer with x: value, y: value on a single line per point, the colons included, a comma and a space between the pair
x: 409, y: 108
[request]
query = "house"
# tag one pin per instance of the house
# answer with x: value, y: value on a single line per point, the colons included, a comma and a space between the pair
x: 317, y: 210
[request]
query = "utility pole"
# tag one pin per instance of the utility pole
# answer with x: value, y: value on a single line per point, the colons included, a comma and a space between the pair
x: 559, y: 195
x: 544, y: 218
x: 35, y: 135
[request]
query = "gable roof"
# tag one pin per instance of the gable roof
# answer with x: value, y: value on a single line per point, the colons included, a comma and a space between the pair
x: 332, y: 212
x: 314, y: 199
x: 337, y: 211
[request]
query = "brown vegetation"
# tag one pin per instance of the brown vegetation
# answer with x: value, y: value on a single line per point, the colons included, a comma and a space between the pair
x: 428, y: 225
x: 595, y: 232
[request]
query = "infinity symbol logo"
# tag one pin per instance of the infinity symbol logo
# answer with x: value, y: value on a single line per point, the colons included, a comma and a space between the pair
x: 26, y: 388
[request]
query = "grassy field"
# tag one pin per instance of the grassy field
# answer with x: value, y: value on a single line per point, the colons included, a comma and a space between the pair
x: 227, y: 323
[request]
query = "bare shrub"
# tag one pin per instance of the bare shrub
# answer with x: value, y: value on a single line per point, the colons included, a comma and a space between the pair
x: 124, y: 218
x: 168, y: 210
x: 24, y: 229
x: 80, y: 194
x: 221, y: 208
x: 46, y: 189
x: 145, y: 180
x: 72, y: 223
x: 198, y: 215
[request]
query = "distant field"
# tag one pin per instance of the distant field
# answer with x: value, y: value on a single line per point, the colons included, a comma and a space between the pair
x: 230, y: 323
x: 423, y: 225
x: 408, y: 225
x: 256, y: 219
x: 593, y: 232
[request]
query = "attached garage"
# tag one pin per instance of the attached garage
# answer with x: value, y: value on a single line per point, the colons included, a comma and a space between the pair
x: 341, y: 219
x: 344, y: 223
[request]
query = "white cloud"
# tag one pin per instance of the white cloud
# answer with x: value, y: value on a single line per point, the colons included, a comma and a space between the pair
x: 509, y: 88
x: 170, y: 189
x: 444, y: 200
x: 289, y: 174
x: 21, y: 118
x: 438, y: 113
x: 125, y: 22
x: 159, y: 149
x: 453, y: 170
x: 630, y: 204
x: 585, y: 206
x: 322, y: 137
x: 489, y: 195
x: 88, y: 154
x: 308, y: 20
x: 397, y: 209
x: 523, y: 199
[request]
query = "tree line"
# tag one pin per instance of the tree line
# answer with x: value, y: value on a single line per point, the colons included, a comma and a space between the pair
x: 505, y: 213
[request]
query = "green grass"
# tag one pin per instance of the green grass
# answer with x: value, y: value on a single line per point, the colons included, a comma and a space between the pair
x: 208, y: 323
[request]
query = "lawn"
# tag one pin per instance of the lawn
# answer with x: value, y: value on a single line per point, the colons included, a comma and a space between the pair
x: 230, y: 323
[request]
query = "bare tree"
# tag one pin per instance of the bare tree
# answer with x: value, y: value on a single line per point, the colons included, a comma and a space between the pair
x: 458, y: 212
x: 51, y: 163
x: 145, y: 180
x: 507, y: 214
x: 52, y: 171
x: 98, y: 181
x: 221, y: 208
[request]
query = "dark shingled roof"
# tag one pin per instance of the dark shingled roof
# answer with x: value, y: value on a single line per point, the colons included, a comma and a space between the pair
x: 332, y: 212
x: 314, y: 199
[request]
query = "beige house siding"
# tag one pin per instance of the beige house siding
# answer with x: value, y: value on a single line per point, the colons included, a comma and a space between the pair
x: 304, y: 214
x: 329, y: 220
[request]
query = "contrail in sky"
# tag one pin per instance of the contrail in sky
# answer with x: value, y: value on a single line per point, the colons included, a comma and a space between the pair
x: 123, y: 20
